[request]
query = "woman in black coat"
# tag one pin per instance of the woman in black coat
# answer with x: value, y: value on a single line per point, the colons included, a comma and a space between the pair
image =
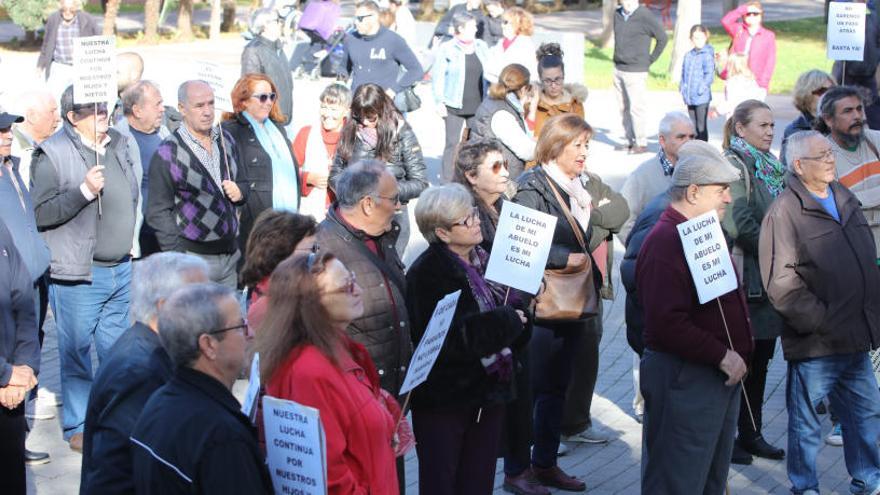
x: 458, y: 412
x: 263, y: 150
x: 377, y: 130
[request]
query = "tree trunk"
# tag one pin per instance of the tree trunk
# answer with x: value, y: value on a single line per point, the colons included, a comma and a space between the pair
x: 110, y: 17
x: 216, y: 14
x: 606, y: 39
x: 228, y: 23
x: 426, y: 9
x: 687, y: 15
x: 151, y: 21
x: 184, y: 20
x: 728, y: 5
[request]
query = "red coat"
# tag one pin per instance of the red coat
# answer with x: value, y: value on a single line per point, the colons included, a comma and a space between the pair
x: 762, y: 53
x: 358, y: 427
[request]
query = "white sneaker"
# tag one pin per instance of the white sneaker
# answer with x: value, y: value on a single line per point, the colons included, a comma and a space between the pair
x: 590, y: 435
x: 835, y: 438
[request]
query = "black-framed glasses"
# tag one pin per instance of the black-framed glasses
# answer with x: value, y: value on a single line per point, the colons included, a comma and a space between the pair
x: 264, y: 96
x: 241, y: 326
x: 394, y: 199
x: 362, y: 18
x: 86, y: 110
x: 470, y: 220
x: 556, y: 81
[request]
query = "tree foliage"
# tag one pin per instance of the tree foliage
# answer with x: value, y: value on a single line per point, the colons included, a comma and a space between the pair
x: 29, y: 14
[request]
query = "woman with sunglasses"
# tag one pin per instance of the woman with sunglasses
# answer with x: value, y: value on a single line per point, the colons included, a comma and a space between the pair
x: 808, y: 89
x: 459, y: 410
x: 750, y: 38
x: 377, y: 130
x: 501, y: 116
x: 306, y: 356
x: 556, y: 96
x: 481, y: 169
x: 748, y: 135
x: 563, y: 351
x: 264, y: 151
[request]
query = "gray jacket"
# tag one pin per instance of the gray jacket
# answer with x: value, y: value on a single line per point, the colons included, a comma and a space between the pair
x: 67, y: 220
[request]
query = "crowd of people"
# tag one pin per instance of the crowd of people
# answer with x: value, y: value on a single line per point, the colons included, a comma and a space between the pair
x: 182, y: 246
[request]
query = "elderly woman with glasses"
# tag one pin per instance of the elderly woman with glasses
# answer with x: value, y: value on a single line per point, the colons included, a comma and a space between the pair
x: 264, y: 151
x: 458, y: 411
x: 808, y: 90
x: 306, y: 356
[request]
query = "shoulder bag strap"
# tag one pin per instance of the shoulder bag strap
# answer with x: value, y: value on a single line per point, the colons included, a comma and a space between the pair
x: 872, y: 147
x: 567, y: 212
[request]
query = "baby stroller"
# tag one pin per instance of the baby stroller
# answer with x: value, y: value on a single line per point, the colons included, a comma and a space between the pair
x: 318, y: 23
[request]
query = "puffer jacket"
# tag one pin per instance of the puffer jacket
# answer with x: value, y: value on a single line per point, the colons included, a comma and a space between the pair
x: 384, y: 327
x: 261, y: 56
x: 821, y: 274
x: 407, y: 164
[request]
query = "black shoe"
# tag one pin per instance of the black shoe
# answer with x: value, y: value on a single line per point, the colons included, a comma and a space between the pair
x: 761, y: 448
x: 740, y: 456
x: 33, y: 458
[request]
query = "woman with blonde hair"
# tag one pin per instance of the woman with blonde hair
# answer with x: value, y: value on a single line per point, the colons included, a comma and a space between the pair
x: 501, y: 116
x: 808, y: 89
x: 516, y: 45
x: 264, y: 151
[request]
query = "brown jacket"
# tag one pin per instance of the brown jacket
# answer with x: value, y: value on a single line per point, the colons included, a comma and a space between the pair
x: 821, y: 275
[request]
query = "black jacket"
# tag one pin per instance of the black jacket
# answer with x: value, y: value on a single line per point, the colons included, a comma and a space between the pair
x: 458, y: 379
x: 634, y: 314
x: 632, y: 40
x: 407, y: 164
x: 87, y: 27
x: 136, y: 366
x: 18, y: 323
x: 261, y: 56
x: 384, y: 328
x: 256, y: 166
x: 193, y: 438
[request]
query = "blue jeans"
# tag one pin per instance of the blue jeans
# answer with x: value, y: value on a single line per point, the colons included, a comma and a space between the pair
x: 83, y: 311
x: 848, y: 381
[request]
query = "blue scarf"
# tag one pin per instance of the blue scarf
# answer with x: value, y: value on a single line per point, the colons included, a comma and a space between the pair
x: 285, y: 187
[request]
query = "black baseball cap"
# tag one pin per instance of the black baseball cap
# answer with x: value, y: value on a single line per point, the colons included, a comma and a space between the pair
x: 7, y: 119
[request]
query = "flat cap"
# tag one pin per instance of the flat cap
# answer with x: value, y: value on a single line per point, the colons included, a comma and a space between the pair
x: 699, y: 163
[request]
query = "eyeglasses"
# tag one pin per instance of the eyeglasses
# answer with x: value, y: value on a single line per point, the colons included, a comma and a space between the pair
x: 497, y: 164
x: 264, y: 96
x: 348, y: 288
x: 554, y: 82
x: 362, y: 18
x: 394, y: 199
x: 241, y: 326
x: 820, y: 91
x: 87, y: 110
x: 753, y: 14
x: 470, y: 220
x: 825, y: 156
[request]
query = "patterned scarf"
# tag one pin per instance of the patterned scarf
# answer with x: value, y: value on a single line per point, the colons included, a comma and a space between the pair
x: 768, y: 169
x: 484, y: 292
x: 665, y: 163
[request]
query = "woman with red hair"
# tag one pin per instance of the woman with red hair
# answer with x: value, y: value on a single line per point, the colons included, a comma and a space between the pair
x: 263, y: 150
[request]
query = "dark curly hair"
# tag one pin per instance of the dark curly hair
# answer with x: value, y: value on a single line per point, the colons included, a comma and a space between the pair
x: 549, y: 56
x: 272, y: 239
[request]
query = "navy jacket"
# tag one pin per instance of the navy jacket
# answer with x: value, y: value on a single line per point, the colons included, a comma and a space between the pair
x: 379, y: 59
x: 21, y: 223
x: 193, y: 438
x: 136, y: 366
x: 18, y: 322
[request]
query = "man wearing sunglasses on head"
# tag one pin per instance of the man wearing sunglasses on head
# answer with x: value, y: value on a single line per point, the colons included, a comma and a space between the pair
x: 85, y: 192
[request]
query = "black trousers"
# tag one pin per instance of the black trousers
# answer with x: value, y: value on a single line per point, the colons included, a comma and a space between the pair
x: 698, y: 115
x: 12, y: 433
x: 517, y: 434
x: 753, y: 389
x: 454, y: 124
x: 584, y: 371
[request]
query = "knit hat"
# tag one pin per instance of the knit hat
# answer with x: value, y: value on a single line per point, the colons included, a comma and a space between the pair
x: 699, y: 163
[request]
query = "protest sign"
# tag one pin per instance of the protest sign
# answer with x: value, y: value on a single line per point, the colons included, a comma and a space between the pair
x: 707, y: 256
x: 296, y: 450
x: 248, y: 406
x: 846, y: 31
x: 94, y: 67
x: 521, y: 247
x: 432, y: 341
x: 221, y: 81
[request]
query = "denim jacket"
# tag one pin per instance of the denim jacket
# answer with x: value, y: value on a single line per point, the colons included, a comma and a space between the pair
x: 447, y: 73
x: 697, y: 73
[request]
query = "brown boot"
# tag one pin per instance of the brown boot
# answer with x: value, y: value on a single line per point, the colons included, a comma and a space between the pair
x: 524, y: 484
x: 557, y: 478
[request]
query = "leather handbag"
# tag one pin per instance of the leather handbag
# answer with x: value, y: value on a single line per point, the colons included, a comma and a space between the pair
x: 569, y: 293
x: 407, y: 100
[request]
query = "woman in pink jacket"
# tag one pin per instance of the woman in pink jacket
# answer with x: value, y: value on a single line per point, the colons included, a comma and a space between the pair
x: 752, y: 39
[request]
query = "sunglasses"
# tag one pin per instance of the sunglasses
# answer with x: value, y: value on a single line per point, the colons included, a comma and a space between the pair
x: 753, y: 14
x: 820, y: 91
x: 470, y: 220
x: 265, y: 96
x: 349, y: 286
x: 362, y: 18
x: 241, y: 326
x: 496, y: 166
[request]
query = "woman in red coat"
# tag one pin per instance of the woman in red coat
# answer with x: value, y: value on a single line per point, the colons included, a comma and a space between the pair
x: 306, y: 356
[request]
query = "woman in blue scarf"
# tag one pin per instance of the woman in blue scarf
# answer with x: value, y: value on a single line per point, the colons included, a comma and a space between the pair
x: 263, y: 150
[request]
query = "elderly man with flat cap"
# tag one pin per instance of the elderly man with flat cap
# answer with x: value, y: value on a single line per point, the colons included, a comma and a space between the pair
x: 690, y: 374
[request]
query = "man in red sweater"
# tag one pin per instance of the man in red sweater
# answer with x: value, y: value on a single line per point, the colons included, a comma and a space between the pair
x: 690, y: 376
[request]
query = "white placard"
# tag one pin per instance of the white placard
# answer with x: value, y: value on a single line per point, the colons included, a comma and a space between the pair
x: 296, y: 450
x: 248, y: 406
x: 94, y: 68
x: 707, y: 256
x: 846, y: 31
x: 432, y: 341
x: 521, y: 247
x: 222, y: 81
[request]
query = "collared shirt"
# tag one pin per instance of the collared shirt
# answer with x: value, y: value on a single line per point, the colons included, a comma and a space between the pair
x: 209, y: 159
x: 64, y: 45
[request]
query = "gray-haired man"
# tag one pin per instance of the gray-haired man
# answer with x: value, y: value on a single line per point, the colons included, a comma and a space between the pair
x: 192, y: 436
x: 135, y: 367
x: 264, y: 55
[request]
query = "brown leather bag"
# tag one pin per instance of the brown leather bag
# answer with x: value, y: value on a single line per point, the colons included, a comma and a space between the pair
x: 569, y: 293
